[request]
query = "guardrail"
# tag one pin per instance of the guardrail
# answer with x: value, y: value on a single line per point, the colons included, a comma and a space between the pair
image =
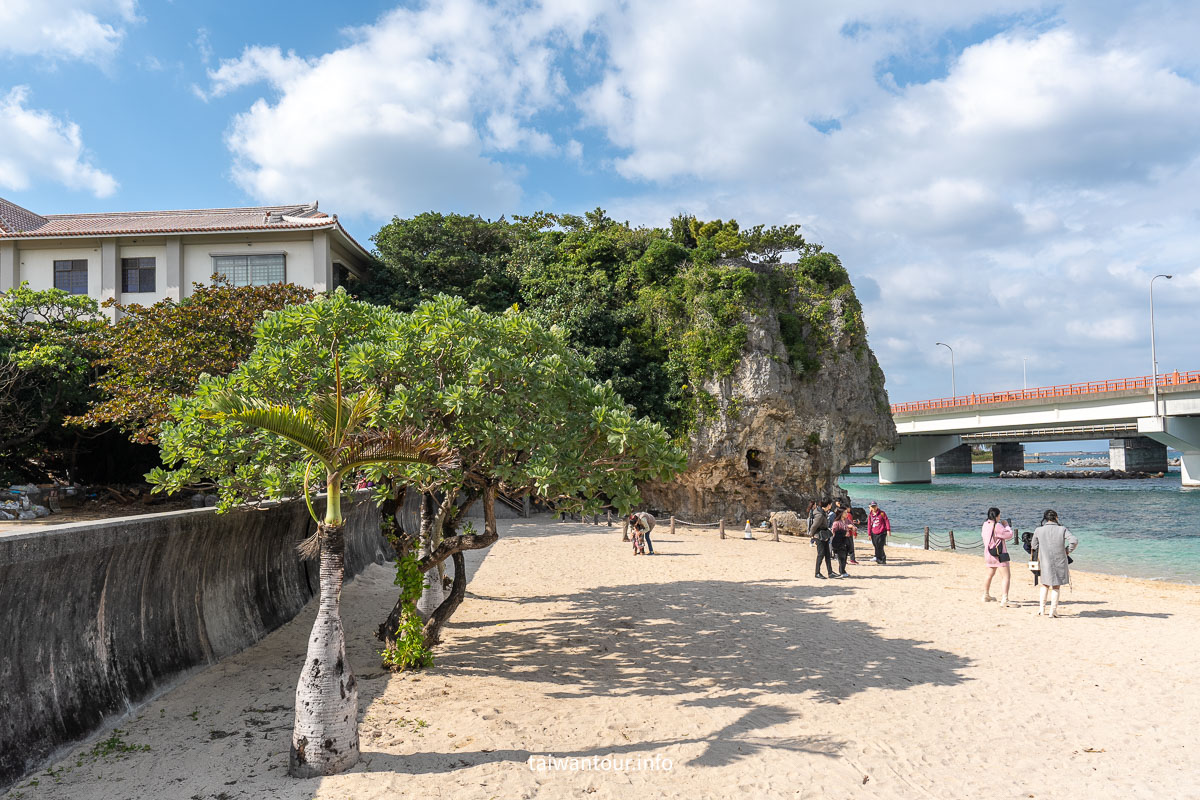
x: 1049, y: 392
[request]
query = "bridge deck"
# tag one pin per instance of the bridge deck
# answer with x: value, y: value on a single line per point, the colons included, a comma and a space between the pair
x: 1132, y: 385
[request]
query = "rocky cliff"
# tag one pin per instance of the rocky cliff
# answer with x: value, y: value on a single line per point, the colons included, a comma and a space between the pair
x: 805, y: 400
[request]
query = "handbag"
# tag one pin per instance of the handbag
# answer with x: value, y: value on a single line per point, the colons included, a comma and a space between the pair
x: 996, y: 550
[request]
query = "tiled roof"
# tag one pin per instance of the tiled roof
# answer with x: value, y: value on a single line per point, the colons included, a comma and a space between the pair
x: 25, y: 224
x: 14, y: 219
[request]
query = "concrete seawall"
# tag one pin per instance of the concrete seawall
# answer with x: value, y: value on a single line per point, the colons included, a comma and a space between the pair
x: 99, y: 616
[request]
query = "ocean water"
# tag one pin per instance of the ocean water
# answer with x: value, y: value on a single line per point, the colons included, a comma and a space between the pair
x: 1141, y: 528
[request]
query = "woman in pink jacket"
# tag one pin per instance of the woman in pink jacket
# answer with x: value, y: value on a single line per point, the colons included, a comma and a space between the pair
x: 878, y: 527
x: 995, y: 533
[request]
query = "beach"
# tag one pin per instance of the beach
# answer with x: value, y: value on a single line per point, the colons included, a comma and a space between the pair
x: 714, y: 668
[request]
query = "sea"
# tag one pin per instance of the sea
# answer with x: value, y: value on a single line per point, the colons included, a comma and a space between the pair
x: 1144, y: 528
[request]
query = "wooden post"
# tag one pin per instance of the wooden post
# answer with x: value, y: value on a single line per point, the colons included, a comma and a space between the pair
x: 672, y: 526
x: 951, y: 540
x: 722, y: 528
x: 926, y: 537
x: 774, y: 531
x: 608, y: 516
x: 625, y: 530
x: 595, y: 519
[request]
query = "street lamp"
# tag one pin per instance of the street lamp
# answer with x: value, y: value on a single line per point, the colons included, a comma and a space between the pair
x: 1153, y: 352
x: 1024, y: 373
x: 953, y: 389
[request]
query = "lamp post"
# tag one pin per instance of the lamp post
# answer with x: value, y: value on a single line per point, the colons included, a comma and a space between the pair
x: 953, y: 388
x: 1153, y: 351
x: 1024, y: 373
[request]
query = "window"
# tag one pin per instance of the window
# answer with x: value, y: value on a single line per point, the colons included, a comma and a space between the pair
x: 71, y: 276
x: 137, y: 274
x: 256, y: 270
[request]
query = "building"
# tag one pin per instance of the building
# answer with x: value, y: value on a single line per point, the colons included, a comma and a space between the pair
x: 147, y: 256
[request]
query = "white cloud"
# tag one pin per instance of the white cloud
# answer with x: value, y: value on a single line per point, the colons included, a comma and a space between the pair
x: 40, y: 146
x: 1004, y: 195
x: 413, y: 114
x: 64, y: 30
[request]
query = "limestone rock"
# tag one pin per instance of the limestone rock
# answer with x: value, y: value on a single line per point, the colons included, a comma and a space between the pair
x: 781, y: 437
x: 789, y: 522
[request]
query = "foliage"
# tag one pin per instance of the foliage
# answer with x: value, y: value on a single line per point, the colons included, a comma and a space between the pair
x: 656, y: 312
x: 154, y: 353
x: 433, y: 253
x: 409, y: 649
x: 503, y: 392
x: 46, y: 347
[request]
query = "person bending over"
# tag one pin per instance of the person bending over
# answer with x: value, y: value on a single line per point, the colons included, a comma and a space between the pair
x: 642, y: 523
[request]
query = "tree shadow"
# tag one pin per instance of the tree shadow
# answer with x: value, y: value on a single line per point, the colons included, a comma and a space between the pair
x: 1103, y: 613
x: 685, y: 637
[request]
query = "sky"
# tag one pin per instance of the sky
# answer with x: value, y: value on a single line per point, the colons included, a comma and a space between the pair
x: 1002, y: 176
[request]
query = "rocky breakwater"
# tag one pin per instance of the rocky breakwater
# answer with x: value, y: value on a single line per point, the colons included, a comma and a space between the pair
x: 805, y: 399
x: 1101, y: 474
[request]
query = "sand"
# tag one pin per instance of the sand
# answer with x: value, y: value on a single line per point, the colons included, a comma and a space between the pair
x: 726, y: 661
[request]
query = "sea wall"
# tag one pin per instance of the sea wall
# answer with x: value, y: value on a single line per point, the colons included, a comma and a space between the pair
x: 99, y: 616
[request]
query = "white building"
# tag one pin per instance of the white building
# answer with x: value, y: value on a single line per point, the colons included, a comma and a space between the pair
x: 146, y: 256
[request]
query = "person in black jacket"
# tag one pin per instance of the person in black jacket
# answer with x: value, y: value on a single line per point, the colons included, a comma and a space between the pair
x: 819, y: 532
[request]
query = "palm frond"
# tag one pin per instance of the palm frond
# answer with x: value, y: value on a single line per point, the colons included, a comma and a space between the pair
x: 395, y: 446
x: 294, y: 424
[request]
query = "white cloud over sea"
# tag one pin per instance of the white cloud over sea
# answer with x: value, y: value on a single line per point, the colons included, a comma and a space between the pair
x: 1008, y: 175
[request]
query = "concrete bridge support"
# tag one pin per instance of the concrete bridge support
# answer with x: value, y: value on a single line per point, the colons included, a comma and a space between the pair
x: 874, y: 466
x: 1007, y: 456
x: 956, y: 461
x: 1137, y: 454
x: 908, y: 462
x: 1182, y: 433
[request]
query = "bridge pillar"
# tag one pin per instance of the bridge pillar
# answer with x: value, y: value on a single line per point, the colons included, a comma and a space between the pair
x: 955, y: 461
x: 908, y: 461
x: 874, y: 466
x: 1182, y: 433
x: 1137, y: 454
x: 1007, y: 456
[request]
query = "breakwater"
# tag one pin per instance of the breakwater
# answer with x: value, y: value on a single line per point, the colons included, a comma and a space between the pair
x: 101, y: 615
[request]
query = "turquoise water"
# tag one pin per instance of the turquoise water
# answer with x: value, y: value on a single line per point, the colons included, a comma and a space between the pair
x: 1142, y: 528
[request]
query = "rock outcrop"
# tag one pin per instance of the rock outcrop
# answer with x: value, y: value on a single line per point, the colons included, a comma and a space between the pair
x: 783, y: 434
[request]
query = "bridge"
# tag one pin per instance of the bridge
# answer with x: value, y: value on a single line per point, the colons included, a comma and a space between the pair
x: 1121, y: 410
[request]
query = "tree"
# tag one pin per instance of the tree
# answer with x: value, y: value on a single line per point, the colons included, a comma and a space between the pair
x: 45, y: 368
x: 506, y: 394
x: 339, y: 433
x: 433, y: 253
x: 154, y: 353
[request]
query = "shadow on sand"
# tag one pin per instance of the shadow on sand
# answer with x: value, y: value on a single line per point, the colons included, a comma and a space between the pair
x: 747, y: 641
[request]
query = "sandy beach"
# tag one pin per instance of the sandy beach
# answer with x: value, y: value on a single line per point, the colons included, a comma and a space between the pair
x: 713, y: 669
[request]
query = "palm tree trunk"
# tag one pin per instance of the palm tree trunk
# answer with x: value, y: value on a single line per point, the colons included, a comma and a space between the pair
x: 325, y: 737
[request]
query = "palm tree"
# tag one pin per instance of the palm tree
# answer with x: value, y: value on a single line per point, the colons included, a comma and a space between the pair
x: 337, y: 433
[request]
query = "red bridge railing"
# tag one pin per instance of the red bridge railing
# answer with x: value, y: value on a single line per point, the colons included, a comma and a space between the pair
x: 1064, y: 390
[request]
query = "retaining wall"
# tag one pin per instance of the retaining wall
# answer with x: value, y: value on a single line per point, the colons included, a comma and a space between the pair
x: 95, y: 617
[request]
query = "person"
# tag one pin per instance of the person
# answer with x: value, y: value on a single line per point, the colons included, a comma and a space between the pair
x: 843, y: 508
x: 819, y: 532
x: 878, y: 527
x: 843, y: 534
x: 995, y: 533
x: 1054, y: 544
x: 641, y: 523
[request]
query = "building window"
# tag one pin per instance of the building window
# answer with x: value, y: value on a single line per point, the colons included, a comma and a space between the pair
x: 251, y: 270
x: 71, y: 276
x: 137, y: 275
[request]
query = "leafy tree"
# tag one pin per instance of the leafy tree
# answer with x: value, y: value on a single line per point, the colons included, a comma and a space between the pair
x: 45, y: 368
x: 506, y: 394
x: 433, y: 253
x: 154, y: 353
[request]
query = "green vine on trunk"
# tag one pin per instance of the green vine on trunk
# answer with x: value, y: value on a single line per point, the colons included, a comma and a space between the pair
x: 409, y: 650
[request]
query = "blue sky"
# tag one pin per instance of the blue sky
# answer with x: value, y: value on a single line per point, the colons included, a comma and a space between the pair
x: 1004, y: 176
